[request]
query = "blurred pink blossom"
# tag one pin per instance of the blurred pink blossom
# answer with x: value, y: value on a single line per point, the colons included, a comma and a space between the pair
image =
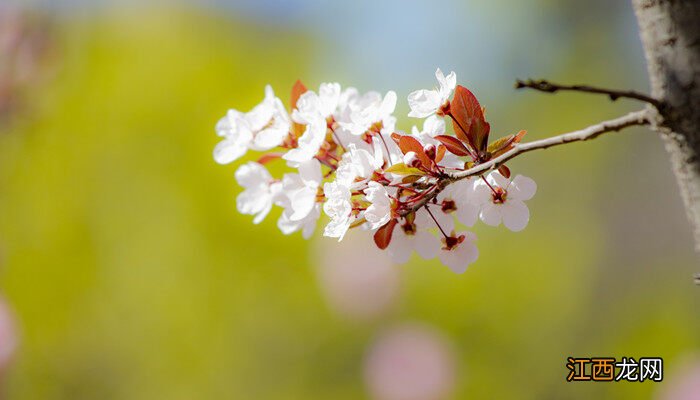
x: 24, y: 41
x: 358, y: 280
x: 8, y: 336
x: 683, y: 381
x: 410, y: 362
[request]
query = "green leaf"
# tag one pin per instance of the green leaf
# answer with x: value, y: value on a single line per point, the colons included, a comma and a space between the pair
x: 403, y: 169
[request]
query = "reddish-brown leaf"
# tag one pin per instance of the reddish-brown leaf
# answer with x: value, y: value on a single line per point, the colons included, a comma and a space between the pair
x: 409, y: 143
x: 266, y: 158
x: 453, y: 145
x: 297, y: 90
x: 468, y: 119
x: 440, y: 153
x: 505, y: 171
x: 396, y: 138
x: 382, y: 237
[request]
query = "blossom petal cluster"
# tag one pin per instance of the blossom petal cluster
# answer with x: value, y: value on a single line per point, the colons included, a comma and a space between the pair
x: 347, y: 160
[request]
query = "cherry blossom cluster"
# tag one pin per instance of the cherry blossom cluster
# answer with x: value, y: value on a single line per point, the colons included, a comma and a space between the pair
x: 348, y: 160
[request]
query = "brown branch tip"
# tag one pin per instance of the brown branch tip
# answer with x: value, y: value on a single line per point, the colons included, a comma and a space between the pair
x: 546, y: 86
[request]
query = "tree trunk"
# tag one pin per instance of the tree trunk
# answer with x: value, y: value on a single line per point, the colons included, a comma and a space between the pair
x: 670, y: 32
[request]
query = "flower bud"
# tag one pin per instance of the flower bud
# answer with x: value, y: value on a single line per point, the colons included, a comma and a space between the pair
x: 430, y: 150
x: 411, y: 159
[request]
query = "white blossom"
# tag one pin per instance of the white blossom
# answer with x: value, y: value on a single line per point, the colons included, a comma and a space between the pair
x: 237, y: 137
x: 358, y: 163
x: 301, y: 190
x: 424, y: 103
x: 312, y: 106
x: 379, y: 211
x: 307, y: 225
x: 507, y: 203
x: 408, y: 237
x: 308, y: 144
x: 339, y: 208
x: 260, y: 191
x: 459, y: 198
x: 361, y: 112
x: 263, y: 128
x: 459, y: 256
x: 430, y: 220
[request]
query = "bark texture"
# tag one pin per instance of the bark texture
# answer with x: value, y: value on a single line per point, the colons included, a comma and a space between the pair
x: 670, y: 33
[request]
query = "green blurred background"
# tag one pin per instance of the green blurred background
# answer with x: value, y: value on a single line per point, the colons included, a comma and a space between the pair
x: 132, y: 276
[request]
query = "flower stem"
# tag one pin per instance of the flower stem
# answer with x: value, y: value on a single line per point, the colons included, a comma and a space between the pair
x: 388, y: 156
x: 436, y: 223
x: 489, y: 185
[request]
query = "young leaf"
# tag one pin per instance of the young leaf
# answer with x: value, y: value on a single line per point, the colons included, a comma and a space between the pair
x: 410, y: 178
x: 297, y: 90
x: 453, y: 145
x: 504, y: 144
x: 403, y: 169
x: 500, y: 144
x: 382, y: 237
x: 440, y: 154
x: 505, y: 171
x: 396, y: 138
x: 357, y: 223
x: 468, y: 119
x: 266, y: 158
x: 409, y: 143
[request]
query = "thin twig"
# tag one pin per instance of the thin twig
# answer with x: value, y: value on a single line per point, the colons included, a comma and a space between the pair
x: 591, y: 132
x: 550, y: 87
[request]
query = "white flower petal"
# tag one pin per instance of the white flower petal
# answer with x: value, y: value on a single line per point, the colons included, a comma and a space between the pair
x: 329, y: 95
x: 434, y: 126
x: 423, y: 103
x: 522, y: 188
x: 302, y: 203
x: 260, y: 216
x: 310, y: 173
x: 229, y: 150
x: 461, y: 256
x: 309, y: 143
x: 491, y: 214
x: 426, y: 244
x: 515, y: 215
x: 482, y: 194
x: 467, y: 213
x: 495, y: 178
x: 270, y: 138
x: 252, y: 175
x: 401, y: 246
x: 388, y: 104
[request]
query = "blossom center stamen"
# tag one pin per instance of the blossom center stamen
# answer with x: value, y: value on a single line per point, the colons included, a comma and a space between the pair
x: 449, y: 206
x: 499, y: 195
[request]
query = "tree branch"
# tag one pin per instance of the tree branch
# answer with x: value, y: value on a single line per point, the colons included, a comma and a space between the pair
x: 632, y: 119
x: 550, y: 87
